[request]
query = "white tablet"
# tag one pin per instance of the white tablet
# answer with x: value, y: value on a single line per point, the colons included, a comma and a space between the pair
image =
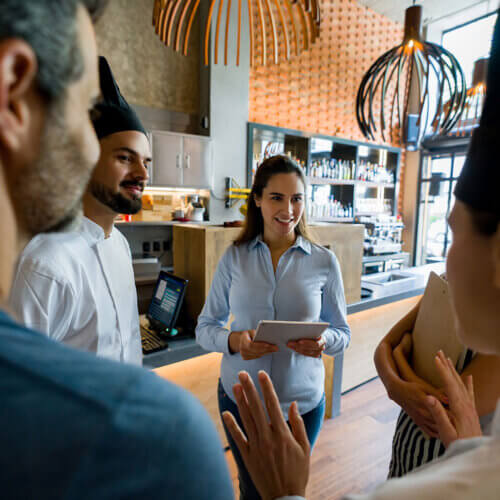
x: 282, y: 332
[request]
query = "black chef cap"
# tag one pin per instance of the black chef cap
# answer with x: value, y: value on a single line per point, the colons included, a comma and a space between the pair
x: 479, y: 183
x: 113, y: 114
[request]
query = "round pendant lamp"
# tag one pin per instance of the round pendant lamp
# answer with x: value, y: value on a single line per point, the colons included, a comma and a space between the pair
x: 474, y: 100
x: 296, y: 22
x: 402, y: 96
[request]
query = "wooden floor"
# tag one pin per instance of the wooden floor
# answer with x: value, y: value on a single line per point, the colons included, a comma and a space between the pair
x: 353, y: 450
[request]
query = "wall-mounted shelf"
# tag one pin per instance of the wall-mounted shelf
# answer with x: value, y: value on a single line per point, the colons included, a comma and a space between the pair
x: 374, y: 184
x: 335, y: 182
x: 334, y: 168
x: 340, y: 182
x: 332, y: 219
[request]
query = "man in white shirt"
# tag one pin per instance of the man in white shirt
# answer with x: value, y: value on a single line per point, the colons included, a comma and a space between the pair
x: 78, y: 287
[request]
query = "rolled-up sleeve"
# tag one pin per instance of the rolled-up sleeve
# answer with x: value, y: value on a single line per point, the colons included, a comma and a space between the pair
x: 210, y: 331
x: 333, y: 311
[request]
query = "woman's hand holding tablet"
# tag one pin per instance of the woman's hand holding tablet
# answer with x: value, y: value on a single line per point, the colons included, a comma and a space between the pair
x: 243, y: 342
x: 303, y: 337
x: 308, y: 347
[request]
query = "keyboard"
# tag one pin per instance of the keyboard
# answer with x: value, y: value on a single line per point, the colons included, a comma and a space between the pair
x: 151, y: 341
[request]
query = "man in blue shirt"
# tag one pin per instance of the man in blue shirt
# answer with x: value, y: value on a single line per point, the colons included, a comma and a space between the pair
x: 72, y: 425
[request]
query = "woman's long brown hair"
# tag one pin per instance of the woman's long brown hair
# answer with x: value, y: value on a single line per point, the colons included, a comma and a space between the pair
x: 254, y: 223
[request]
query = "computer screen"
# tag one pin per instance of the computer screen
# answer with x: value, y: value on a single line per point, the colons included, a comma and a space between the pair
x: 167, y: 299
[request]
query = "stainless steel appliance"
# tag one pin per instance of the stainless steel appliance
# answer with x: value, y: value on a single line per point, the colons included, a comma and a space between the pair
x: 373, y: 267
x: 373, y: 264
x: 382, y: 234
x: 145, y: 265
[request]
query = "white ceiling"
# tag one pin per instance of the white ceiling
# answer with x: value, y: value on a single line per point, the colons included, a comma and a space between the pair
x: 432, y: 9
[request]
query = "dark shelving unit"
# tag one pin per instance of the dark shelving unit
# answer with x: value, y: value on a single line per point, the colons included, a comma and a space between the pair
x: 364, y: 196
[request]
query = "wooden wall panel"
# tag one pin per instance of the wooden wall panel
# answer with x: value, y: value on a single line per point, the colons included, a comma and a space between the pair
x: 346, y: 241
x: 189, y: 252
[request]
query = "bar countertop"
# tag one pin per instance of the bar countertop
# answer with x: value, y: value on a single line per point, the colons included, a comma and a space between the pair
x: 182, y: 349
x: 383, y: 296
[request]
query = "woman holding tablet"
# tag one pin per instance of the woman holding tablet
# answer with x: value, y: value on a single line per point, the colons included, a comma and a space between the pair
x: 274, y: 271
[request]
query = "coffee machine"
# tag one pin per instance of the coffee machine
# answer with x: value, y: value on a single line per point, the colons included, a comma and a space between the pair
x: 383, y: 234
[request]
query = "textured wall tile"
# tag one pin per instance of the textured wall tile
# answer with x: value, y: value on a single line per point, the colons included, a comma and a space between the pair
x: 321, y: 84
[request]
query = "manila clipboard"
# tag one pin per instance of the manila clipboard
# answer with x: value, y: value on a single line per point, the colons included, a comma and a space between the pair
x: 434, y: 330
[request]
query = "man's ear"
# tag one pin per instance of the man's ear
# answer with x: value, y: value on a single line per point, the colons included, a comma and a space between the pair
x: 496, y: 258
x: 18, y: 70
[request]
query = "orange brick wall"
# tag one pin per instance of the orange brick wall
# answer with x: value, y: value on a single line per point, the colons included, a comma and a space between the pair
x: 316, y: 91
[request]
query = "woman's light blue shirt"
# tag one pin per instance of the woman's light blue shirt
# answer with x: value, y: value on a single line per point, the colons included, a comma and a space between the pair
x: 307, y: 286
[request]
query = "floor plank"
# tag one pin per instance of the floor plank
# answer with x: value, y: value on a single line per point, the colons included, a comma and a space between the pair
x: 353, y: 450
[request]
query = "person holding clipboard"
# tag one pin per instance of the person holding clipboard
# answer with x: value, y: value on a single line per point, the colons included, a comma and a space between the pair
x: 274, y: 271
x: 408, y: 381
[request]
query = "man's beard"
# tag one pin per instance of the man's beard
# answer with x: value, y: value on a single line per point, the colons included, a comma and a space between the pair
x: 115, y: 201
x: 48, y: 193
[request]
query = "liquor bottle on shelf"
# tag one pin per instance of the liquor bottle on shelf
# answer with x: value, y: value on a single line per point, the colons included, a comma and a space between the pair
x: 298, y: 161
x: 329, y: 209
x: 334, y: 169
x: 372, y: 172
x: 371, y: 205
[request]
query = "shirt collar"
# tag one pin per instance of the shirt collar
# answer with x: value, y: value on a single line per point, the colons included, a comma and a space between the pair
x: 91, y: 232
x: 300, y: 242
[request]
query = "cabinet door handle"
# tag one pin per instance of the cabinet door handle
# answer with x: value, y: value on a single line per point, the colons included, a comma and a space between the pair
x: 188, y: 161
x: 178, y: 160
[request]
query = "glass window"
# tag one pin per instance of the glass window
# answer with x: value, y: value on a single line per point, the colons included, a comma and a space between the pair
x: 458, y: 164
x: 432, y: 221
x: 458, y: 42
x: 441, y: 166
x: 436, y: 165
x: 452, y: 198
x: 436, y: 201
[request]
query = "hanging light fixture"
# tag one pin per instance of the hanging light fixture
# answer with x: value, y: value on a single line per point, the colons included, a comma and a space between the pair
x: 413, y: 79
x: 474, y: 100
x: 296, y: 21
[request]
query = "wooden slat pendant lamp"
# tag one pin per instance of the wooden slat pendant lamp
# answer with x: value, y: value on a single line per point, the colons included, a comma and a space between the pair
x: 422, y: 71
x: 295, y: 22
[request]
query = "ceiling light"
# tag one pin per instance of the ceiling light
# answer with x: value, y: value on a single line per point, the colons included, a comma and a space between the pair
x: 414, y: 78
x: 296, y: 22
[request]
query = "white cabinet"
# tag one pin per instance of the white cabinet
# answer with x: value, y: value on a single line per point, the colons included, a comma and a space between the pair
x: 181, y: 160
x: 166, y: 168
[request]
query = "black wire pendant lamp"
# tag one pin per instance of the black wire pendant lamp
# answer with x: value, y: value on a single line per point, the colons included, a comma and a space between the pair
x: 414, y: 79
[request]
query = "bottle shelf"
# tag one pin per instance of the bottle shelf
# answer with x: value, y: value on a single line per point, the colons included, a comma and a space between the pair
x: 341, y: 182
x: 332, y: 219
x: 374, y: 184
x: 342, y: 164
x: 369, y: 214
x: 337, y: 182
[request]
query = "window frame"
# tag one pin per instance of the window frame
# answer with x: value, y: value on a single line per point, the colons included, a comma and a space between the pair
x: 428, y: 155
x: 462, y: 25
